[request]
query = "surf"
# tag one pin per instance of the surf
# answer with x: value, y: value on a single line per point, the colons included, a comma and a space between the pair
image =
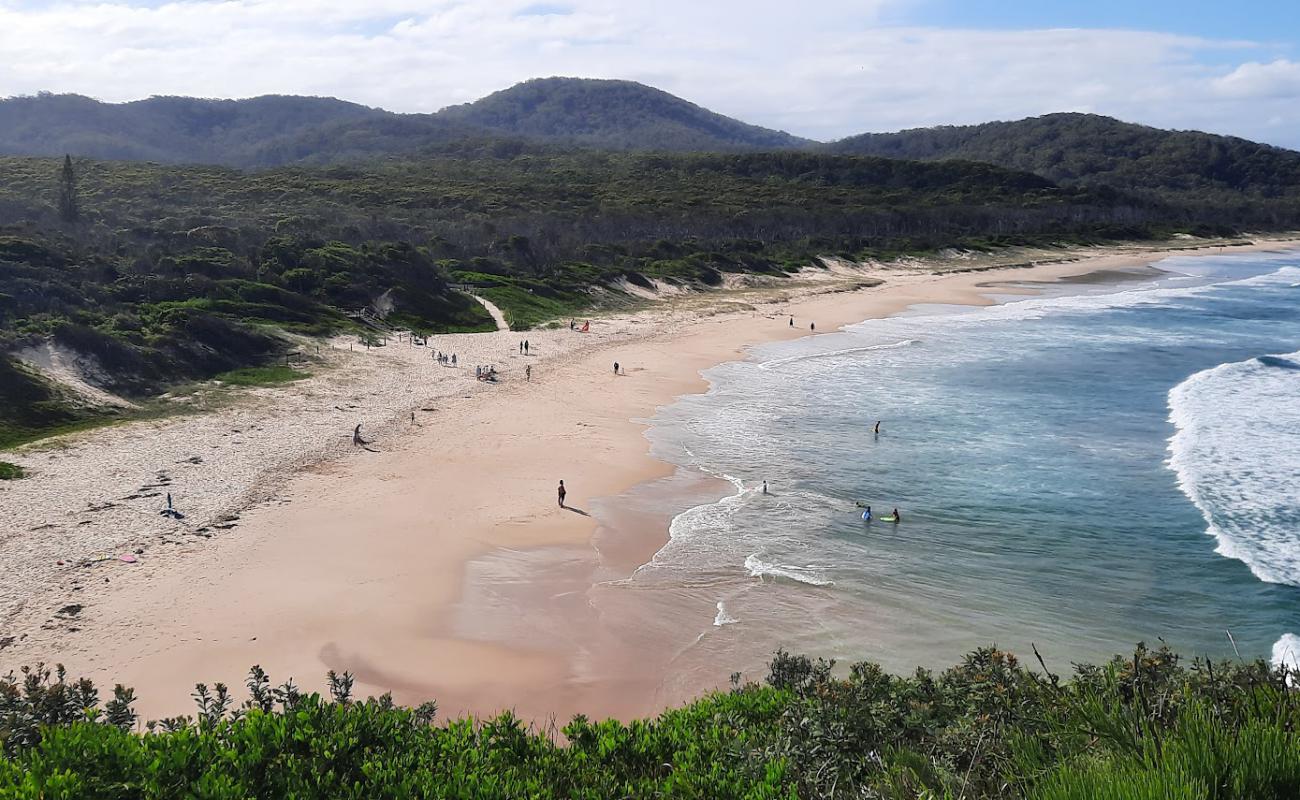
x: 1236, y: 454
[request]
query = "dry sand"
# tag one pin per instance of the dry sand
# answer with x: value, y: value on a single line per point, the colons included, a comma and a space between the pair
x: 302, y: 554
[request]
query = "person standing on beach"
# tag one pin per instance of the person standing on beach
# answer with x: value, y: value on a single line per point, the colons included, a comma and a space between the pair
x: 528, y: 373
x: 521, y: 348
x: 812, y: 326
x: 561, y: 492
x: 525, y: 347
x: 791, y: 322
x: 615, y: 367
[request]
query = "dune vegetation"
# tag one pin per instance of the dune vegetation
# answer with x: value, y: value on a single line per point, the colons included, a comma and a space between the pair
x: 1145, y: 726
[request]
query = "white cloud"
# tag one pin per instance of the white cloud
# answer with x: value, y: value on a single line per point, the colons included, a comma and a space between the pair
x: 823, y: 68
x: 1280, y: 78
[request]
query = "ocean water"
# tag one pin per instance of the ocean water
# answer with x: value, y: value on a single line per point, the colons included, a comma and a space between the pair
x: 1079, y: 471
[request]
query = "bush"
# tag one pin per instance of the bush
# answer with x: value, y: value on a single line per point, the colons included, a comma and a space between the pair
x: 1145, y: 727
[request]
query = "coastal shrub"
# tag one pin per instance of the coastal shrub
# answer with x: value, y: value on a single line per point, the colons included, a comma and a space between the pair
x: 262, y: 376
x: 10, y: 472
x: 1146, y: 726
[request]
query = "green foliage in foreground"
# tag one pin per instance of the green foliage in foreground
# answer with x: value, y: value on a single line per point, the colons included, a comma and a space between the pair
x: 10, y: 472
x: 262, y: 376
x: 1145, y: 727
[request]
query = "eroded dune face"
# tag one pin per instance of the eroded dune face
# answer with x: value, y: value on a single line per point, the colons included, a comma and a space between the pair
x: 80, y: 374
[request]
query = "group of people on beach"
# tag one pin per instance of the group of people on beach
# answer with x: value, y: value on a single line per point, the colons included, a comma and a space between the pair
x: 488, y: 373
x: 523, y: 347
x: 444, y: 358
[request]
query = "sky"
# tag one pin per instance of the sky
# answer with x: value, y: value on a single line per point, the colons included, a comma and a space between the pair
x: 817, y: 68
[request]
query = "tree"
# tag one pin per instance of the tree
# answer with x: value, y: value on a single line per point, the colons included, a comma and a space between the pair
x: 69, y: 209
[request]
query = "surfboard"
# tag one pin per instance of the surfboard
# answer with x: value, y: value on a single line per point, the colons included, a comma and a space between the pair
x: 890, y: 518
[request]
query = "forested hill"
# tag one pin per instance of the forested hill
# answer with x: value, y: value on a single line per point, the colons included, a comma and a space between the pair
x: 167, y: 129
x: 545, y: 114
x: 616, y: 115
x: 1097, y: 150
x: 278, y: 130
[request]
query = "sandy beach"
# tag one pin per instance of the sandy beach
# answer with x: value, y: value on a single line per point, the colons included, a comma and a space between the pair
x: 302, y: 553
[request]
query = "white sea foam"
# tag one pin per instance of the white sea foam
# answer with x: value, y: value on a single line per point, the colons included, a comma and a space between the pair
x: 1237, y: 456
x: 1286, y: 652
x: 723, y: 618
x: 809, y: 575
x: 1159, y: 292
x: 779, y: 362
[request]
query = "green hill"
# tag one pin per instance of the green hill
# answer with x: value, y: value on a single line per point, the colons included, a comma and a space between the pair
x: 277, y: 130
x: 1094, y: 150
x: 164, y: 129
x: 610, y: 114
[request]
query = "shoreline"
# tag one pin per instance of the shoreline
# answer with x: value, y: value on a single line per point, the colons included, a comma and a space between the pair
x: 345, y: 570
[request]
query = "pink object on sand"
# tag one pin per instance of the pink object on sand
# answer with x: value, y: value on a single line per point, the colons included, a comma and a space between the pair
x: 128, y: 558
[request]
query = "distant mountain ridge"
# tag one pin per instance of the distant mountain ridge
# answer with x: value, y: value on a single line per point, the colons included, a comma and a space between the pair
x: 1098, y: 150
x: 274, y: 130
x: 615, y: 115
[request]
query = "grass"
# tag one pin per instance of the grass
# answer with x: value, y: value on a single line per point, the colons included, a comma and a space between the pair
x: 14, y: 435
x: 525, y: 310
x: 262, y: 376
x: 11, y: 472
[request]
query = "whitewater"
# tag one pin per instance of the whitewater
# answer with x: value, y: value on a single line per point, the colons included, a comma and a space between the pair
x: 1058, y: 460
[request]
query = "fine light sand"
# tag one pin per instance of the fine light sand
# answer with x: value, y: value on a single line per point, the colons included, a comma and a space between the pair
x: 302, y: 553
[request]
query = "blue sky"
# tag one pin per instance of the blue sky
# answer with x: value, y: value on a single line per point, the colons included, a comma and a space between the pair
x: 1259, y: 20
x: 818, y: 68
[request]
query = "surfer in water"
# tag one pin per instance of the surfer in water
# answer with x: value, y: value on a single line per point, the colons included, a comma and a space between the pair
x: 897, y: 517
x: 866, y: 515
x: 876, y: 430
x: 764, y: 487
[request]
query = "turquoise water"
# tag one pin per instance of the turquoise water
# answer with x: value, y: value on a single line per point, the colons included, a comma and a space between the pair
x: 1079, y: 471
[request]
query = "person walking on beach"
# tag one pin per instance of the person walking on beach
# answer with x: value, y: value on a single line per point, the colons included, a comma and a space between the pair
x: 615, y: 367
x: 812, y: 326
x: 170, y: 510
x: 791, y: 322
x: 525, y: 347
x: 561, y: 492
x: 528, y: 373
x: 521, y: 348
x: 357, y: 441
